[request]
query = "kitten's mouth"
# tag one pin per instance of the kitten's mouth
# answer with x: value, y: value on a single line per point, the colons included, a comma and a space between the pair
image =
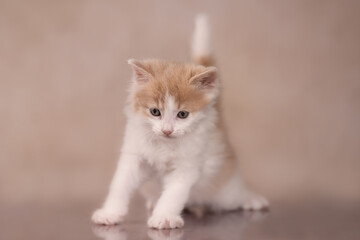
x: 168, y: 136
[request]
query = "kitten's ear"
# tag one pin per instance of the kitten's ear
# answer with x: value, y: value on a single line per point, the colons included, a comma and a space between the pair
x: 141, y: 75
x: 206, y: 79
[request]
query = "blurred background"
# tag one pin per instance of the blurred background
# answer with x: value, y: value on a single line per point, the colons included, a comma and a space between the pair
x: 291, y: 76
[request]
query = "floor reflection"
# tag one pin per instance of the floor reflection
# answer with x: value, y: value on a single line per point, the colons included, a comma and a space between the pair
x: 166, y: 234
x: 228, y: 226
x: 116, y: 232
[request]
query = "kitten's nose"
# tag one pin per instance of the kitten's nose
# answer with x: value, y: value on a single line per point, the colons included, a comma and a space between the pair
x: 167, y: 132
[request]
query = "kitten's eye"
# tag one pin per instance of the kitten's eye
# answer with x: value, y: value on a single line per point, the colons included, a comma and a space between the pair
x: 155, y: 112
x: 183, y: 114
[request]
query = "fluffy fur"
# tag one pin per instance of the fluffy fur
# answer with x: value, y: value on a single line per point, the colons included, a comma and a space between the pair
x: 176, y: 162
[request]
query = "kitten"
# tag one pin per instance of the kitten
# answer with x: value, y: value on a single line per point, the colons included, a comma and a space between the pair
x: 175, y: 147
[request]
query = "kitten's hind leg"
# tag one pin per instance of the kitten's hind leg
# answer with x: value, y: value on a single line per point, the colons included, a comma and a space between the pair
x: 197, y: 210
x: 253, y: 201
x: 235, y: 195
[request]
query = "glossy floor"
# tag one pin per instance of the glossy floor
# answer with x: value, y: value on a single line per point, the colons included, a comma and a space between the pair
x: 283, y: 221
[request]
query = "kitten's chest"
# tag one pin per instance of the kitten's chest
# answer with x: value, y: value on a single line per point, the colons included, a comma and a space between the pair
x: 164, y: 156
x: 161, y: 154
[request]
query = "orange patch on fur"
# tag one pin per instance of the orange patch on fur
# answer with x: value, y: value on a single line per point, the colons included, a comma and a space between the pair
x: 170, y: 78
x: 204, y: 60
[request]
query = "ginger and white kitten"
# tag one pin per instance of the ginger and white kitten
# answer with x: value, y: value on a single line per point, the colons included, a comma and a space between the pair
x: 174, y: 144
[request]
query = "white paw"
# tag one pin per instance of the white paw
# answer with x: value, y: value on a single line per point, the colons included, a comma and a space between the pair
x: 165, y: 221
x: 255, y: 202
x: 106, y: 217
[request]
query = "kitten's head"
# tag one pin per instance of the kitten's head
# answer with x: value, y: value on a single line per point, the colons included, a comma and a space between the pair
x: 172, y: 97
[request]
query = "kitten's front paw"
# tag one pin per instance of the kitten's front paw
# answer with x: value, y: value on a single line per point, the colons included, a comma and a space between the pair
x: 106, y: 217
x: 255, y: 202
x: 165, y: 221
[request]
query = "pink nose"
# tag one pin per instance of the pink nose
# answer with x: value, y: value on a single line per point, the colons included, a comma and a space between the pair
x: 167, y: 132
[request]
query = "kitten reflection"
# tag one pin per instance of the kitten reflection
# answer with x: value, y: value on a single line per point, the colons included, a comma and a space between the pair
x: 229, y: 225
x: 165, y: 234
x: 114, y: 232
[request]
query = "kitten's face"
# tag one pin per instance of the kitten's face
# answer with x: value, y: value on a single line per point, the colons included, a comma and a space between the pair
x: 172, y: 97
x: 169, y: 119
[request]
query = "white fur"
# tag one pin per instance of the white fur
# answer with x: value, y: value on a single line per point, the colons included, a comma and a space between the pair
x: 201, y: 45
x: 183, y: 164
x: 178, y: 171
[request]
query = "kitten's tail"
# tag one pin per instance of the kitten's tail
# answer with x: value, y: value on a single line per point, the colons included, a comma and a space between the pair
x: 201, y: 48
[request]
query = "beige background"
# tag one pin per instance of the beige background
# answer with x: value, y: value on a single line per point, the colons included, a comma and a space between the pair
x: 291, y: 74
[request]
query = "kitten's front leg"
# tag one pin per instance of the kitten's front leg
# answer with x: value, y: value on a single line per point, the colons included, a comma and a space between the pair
x: 127, y: 177
x: 177, y: 186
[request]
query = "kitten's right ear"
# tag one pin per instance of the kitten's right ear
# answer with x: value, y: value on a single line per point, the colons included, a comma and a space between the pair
x: 140, y: 74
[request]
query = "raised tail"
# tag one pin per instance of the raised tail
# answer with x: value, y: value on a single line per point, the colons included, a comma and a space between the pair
x: 201, y: 47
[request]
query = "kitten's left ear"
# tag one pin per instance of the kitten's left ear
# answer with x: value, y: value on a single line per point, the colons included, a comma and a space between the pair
x: 206, y: 79
x: 141, y: 75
